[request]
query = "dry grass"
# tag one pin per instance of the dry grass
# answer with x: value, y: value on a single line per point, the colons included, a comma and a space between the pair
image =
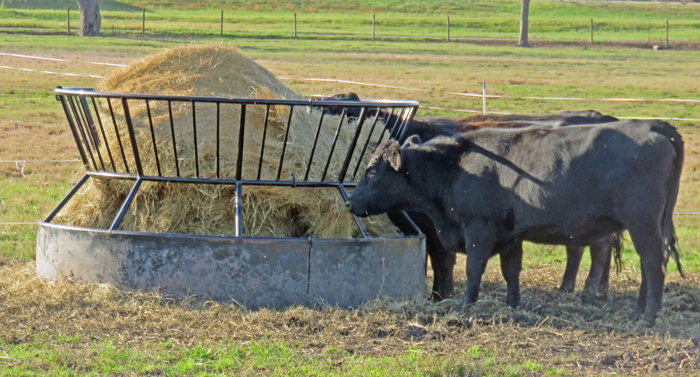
x: 552, y: 329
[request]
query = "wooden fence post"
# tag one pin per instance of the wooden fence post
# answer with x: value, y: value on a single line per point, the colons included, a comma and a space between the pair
x: 295, y: 25
x: 667, y: 34
x: 448, y: 28
x: 68, y: 18
x: 143, y: 22
x: 374, y: 21
x: 222, y: 23
x: 591, y: 31
x: 483, y: 88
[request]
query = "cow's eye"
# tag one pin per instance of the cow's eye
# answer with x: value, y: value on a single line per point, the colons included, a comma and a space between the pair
x: 371, y: 173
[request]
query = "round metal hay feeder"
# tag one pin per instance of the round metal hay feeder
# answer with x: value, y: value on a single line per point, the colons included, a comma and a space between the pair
x: 255, y: 272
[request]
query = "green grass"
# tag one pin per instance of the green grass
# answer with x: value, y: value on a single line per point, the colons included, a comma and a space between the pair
x: 332, y: 18
x: 63, y: 355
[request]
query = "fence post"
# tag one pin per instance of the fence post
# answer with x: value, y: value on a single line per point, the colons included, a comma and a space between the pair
x: 374, y: 20
x: 295, y: 25
x: 143, y: 22
x: 483, y: 88
x: 68, y: 18
x: 667, y: 34
x: 591, y: 31
x: 448, y: 28
x: 222, y: 23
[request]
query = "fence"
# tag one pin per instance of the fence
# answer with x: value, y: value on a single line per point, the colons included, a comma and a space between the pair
x: 444, y: 28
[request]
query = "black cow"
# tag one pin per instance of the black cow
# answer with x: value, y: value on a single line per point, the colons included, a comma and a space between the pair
x: 492, y: 189
x: 442, y: 260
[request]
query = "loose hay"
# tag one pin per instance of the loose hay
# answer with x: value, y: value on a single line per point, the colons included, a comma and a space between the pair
x: 213, y: 70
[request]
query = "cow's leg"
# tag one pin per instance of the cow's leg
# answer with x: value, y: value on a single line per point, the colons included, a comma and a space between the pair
x: 573, y: 262
x: 601, y: 251
x: 511, y: 264
x: 443, y: 262
x: 605, y: 277
x: 649, y: 245
x: 479, y: 241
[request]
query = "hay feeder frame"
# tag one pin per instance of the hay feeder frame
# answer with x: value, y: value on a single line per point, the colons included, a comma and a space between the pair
x: 255, y: 272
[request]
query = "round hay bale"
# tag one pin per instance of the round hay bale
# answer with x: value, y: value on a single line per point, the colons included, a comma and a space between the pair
x: 165, y: 207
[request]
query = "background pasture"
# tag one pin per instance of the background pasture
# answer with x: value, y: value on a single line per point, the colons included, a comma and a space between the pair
x: 75, y: 329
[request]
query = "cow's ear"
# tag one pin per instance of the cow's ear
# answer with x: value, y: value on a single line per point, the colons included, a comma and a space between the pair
x: 392, y: 155
x: 412, y: 141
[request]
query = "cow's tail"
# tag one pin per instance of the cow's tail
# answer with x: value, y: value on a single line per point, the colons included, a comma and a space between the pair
x: 669, y: 231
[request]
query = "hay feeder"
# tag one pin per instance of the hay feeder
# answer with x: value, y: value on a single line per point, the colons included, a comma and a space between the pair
x: 229, y: 151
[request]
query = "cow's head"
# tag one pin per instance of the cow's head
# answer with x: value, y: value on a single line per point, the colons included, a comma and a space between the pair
x: 385, y: 184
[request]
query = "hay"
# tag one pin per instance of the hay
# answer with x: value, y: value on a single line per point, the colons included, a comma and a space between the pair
x: 213, y: 70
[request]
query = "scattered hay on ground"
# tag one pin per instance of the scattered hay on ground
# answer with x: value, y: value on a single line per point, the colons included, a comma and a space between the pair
x: 213, y: 70
x: 553, y: 329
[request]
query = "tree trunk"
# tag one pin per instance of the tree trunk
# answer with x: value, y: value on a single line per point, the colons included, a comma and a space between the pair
x: 90, y: 19
x: 524, y: 13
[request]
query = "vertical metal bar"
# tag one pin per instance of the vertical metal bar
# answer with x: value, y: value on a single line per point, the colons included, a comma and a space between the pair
x: 153, y: 137
x: 387, y: 128
x: 88, y: 119
x: 313, y: 149
x: 241, y: 144
x: 364, y: 149
x: 357, y: 219
x: 335, y: 140
x: 351, y: 148
x: 116, y: 132
x: 194, y: 134
x: 84, y: 137
x: 238, y: 232
x: 66, y: 198
x: 74, y: 130
x: 264, y: 135
x: 406, y: 116
x: 286, y: 137
x: 218, y: 131
x: 104, y: 136
x: 172, y: 133
x: 132, y: 136
x: 125, y: 204
x: 89, y: 127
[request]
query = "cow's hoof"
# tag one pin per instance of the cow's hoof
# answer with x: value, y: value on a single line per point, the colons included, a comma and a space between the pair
x: 645, y: 323
x: 568, y: 288
x: 635, y: 316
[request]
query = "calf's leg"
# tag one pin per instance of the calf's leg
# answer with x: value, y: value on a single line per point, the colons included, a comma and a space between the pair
x: 601, y: 252
x: 479, y: 241
x: 573, y: 262
x: 650, y: 247
x: 511, y: 264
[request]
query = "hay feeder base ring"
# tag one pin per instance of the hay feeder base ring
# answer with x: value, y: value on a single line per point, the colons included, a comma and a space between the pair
x: 272, y: 272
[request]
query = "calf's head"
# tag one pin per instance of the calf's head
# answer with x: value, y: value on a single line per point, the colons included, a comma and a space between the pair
x: 385, y: 184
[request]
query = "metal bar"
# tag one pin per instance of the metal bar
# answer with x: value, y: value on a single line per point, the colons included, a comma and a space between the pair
x: 132, y: 136
x: 353, y: 144
x: 84, y: 138
x: 73, y: 130
x: 172, y: 133
x: 194, y: 135
x: 387, y: 128
x: 247, y: 101
x: 413, y: 224
x: 153, y: 136
x: 125, y: 205
x: 359, y: 223
x: 264, y: 135
x: 119, y: 138
x: 364, y: 149
x: 335, y: 140
x: 286, y: 137
x: 405, y: 116
x: 83, y: 113
x: 313, y: 149
x: 218, y: 126
x: 239, y: 211
x: 241, y: 136
x: 104, y: 135
x: 66, y: 198
x: 88, y: 118
x: 218, y: 181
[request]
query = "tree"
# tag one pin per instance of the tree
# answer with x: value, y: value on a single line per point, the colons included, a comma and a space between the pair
x: 524, y: 12
x: 90, y: 19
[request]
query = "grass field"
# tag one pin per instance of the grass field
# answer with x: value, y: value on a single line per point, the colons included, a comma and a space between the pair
x: 353, y: 20
x: 90, y: 329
